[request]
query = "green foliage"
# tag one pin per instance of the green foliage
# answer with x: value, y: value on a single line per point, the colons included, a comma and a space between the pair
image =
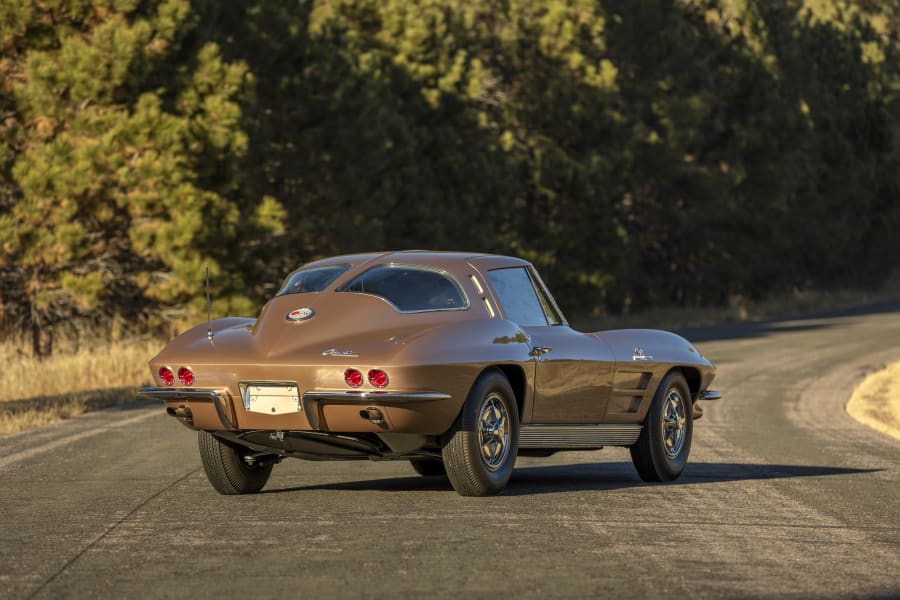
x: 642, y: 154
x: 122, y: 140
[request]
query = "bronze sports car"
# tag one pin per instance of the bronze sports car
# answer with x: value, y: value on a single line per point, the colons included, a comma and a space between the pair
x: 455, y: 362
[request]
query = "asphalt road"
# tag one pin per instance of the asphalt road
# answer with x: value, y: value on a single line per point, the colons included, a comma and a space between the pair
x: 785, y: 496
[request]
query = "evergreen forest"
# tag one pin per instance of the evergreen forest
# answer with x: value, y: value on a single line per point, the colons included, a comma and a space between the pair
x: 641, y: 153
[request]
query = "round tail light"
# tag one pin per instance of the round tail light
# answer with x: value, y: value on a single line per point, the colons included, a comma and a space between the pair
x: 186, y: 376
x: 166, y: 376
x: 353, y: 378
x: 378, y: 378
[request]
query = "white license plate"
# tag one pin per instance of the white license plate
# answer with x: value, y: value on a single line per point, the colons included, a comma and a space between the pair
x: 272, y: 399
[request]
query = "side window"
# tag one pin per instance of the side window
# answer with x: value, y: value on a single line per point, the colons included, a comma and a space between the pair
x: 409, y: 288
x: 552, y: 317
x: 517, y: 296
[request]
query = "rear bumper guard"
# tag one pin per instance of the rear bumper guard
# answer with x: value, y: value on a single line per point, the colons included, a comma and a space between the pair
x: 217, y: 398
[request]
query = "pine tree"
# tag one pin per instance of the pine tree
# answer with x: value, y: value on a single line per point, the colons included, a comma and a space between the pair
x: 118, y: 134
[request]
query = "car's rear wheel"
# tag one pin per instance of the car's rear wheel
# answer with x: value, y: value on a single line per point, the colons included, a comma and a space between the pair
x: 428, y: 467
x: 662, y: 449
x: 227, y: 469
x: 480, y: 449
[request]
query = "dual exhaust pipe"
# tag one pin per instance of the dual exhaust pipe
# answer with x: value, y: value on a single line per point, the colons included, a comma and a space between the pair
x: 182, y: 412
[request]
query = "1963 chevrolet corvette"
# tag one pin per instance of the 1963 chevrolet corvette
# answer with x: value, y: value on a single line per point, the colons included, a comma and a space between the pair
x: 455, y: 362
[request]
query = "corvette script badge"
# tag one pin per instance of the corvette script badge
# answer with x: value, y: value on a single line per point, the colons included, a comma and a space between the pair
x: 300, y: 314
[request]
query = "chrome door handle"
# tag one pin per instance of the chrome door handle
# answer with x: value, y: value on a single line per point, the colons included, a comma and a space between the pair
x: 538, y: 351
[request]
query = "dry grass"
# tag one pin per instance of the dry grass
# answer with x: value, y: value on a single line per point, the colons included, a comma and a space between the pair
x: 35, y: 392
x: 876, y: 401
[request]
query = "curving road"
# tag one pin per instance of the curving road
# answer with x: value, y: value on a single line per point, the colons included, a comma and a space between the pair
x: 785, y: 496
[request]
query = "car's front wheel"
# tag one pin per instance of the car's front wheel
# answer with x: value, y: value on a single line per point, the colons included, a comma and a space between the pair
x: 480, y: 450
x: 227, y: 470
x: 662, y: 449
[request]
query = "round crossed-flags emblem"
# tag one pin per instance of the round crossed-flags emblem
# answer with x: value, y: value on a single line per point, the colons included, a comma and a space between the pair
x: 300, y: 314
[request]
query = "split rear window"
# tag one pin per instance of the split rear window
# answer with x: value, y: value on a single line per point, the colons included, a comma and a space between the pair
x: 312, y: 279
x: 409, y: 288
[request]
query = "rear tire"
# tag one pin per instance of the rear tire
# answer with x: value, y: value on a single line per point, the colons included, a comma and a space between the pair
x: 225, y: 467
x: 428, y: 467
x: 480, y: 451
x: 662, y: 450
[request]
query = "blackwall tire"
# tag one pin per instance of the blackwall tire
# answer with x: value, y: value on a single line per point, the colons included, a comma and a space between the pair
x: 662, y: 450
x: 226, y: 470
x: 480, y: 449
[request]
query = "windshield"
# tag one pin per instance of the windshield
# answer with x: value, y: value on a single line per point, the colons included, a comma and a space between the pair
x: 312, y: 279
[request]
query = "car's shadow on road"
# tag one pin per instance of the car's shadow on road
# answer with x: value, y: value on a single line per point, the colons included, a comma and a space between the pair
x: 610, y: 476
x: 556, y: 479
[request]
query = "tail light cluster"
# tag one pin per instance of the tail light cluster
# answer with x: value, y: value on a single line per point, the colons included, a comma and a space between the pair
x: 354, y: 378
x: 378, y: 378
x: 167, y: 376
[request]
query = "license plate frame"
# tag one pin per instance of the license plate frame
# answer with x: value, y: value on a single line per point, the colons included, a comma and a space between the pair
x: 271, y: 398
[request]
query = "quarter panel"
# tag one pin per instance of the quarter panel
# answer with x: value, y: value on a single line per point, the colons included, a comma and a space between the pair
x: 643, y: 357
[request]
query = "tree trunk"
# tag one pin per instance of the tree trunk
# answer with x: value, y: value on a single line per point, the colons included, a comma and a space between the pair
x: 41, y: 341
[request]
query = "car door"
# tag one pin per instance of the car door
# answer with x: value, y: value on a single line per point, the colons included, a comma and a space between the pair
x: 573, y: 371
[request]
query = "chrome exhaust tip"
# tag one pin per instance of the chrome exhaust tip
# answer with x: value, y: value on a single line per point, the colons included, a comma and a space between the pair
x: 182, y: 412
x: 373, y: 415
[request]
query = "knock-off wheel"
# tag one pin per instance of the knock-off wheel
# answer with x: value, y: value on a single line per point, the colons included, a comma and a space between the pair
x: 480, y: 449
x: 662, y: 450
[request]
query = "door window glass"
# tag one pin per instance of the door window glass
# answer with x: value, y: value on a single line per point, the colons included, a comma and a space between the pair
x: 517, y: 297
x: 547, y: 306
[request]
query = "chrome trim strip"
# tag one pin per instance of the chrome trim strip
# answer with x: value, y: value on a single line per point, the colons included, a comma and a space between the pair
x: 710, y: 395
x: 374, y: 397
x: 170, y: 394
x: 578, y: 436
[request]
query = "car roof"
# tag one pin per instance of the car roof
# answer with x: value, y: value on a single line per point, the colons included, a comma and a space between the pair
x: 432, y: 258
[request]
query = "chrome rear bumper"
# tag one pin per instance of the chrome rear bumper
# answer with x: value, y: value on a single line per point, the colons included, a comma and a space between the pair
x: 311, y: 402
x: 215, y: 397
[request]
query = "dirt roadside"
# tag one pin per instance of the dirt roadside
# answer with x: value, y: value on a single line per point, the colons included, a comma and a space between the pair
x: 876, y: 401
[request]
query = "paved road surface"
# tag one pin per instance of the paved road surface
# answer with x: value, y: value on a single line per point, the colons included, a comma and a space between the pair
x: 785, y: 496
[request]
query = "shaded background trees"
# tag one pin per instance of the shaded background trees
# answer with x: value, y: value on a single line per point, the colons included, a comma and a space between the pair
x: 642, y: 154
